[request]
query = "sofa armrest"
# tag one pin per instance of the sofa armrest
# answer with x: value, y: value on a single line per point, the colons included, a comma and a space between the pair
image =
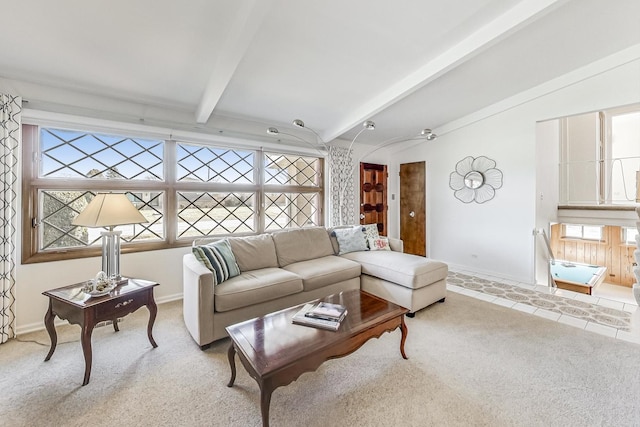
x: 198, y: 299
x: 396, y: 245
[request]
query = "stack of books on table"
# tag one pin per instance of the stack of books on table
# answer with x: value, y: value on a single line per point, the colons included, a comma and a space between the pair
x: 322, y: 315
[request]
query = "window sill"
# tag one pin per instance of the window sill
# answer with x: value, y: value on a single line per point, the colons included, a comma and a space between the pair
x: 623, y: 216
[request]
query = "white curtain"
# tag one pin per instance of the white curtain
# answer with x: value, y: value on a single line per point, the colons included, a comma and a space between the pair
x: 342, y: 191
x: 10, y: 117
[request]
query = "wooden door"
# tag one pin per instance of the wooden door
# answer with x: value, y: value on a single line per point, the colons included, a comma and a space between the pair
x: 413, y: 208
x: 373, y: 196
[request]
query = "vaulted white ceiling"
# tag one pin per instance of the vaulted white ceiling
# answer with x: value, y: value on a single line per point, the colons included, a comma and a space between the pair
x: 242, y: 65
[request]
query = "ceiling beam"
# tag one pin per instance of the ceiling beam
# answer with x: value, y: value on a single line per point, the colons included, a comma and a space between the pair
x: 248, y: 20
x: 501, y: 27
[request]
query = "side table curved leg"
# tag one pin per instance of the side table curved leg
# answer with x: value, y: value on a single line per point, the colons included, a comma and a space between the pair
x: 51, y: 329
x: 153, y: 311
x: 87, y: 330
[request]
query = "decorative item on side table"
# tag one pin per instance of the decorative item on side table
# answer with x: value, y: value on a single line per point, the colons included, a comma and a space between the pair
x: 110, y: 210
x: 101, y: 285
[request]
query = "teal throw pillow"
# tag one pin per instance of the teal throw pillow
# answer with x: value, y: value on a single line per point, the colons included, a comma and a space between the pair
x: 218, y: 258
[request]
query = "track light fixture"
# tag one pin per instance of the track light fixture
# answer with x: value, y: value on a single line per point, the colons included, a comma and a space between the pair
x: 427, y: 133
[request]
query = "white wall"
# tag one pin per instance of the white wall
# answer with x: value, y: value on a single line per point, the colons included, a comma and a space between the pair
x: 547, y: 191
x: 497, y: 237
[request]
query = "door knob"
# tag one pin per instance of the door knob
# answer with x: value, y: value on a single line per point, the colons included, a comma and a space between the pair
x: 361, y: 216
x: 412, y: 214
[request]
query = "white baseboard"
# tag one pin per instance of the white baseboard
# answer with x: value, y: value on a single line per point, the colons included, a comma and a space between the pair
x: 499, y: 276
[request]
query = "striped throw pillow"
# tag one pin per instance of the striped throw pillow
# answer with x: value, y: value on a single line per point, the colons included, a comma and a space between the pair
x: 218, y: 258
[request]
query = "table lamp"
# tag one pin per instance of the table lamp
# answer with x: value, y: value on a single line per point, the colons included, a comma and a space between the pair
x: 109, y: 210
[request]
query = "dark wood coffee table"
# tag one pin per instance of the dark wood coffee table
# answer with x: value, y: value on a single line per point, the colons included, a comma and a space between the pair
x: 276, y: 352
x: 72, y: 304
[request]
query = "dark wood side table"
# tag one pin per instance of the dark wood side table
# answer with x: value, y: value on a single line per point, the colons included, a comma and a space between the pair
x: 72, y: 304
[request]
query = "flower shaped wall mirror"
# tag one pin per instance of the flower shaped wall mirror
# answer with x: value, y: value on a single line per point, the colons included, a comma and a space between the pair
x: 475, y: 179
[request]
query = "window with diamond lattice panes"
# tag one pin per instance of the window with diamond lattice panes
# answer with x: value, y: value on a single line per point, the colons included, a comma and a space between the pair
x: 282, y: 169
x: 211, y: 164
x: 204, y: 191
x: 301, y: 205
x: 209, y: 214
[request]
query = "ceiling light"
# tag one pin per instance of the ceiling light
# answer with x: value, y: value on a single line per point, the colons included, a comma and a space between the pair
x: 427, y: 133
x: 273, y: 131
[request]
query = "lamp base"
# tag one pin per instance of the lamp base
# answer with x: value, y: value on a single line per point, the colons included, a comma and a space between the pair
x: 111, y: 253
x: 120, y: 280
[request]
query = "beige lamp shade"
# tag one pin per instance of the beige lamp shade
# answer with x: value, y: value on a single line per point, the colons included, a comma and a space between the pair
x: 108, y: 210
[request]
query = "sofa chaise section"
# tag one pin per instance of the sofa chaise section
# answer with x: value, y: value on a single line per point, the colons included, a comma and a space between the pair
x: 408, y: 280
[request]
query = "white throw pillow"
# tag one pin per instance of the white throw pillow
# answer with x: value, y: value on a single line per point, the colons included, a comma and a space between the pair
x: 350, y: 239
x: 371, y: 231
x: 379, y: 244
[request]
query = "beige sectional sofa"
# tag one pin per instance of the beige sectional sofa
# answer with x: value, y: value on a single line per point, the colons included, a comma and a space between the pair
x: 290, y: 267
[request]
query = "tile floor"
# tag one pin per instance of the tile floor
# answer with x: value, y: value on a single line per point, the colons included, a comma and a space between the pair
x: 610, y: 311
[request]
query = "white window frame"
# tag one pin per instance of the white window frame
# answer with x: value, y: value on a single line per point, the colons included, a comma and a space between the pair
x: 565, y: 235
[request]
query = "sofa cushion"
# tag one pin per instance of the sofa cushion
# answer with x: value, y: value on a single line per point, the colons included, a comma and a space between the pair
x: 254, y: 252
x: 256, y: 286
x: 319, y: 272
x: 351, y: 239
x: 217, y: 257
x: 301, y: 244
x: 408, y: 270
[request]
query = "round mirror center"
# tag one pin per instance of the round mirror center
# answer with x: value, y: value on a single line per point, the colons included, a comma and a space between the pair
x: 473, y: 180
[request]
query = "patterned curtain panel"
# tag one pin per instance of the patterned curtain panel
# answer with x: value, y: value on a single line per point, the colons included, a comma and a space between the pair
x: 342, y: 193
x: 10, y: 113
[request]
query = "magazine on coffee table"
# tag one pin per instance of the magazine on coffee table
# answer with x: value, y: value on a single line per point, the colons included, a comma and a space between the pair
x: 300, y: 318
x: 328, y: 311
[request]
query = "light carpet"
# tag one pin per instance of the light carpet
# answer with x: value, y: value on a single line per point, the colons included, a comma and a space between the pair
x: 471, y: 363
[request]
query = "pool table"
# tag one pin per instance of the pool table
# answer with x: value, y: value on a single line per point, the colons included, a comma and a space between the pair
x: 577, y: 277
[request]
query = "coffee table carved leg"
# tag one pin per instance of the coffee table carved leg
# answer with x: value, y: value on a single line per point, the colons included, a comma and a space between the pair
x: 153, y: 311
x: 231, y: 353
x: 51, y: 329
x: 265, y: 402
x: 403, y: 329
x: 115, y: 325
x: 87, y: 330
